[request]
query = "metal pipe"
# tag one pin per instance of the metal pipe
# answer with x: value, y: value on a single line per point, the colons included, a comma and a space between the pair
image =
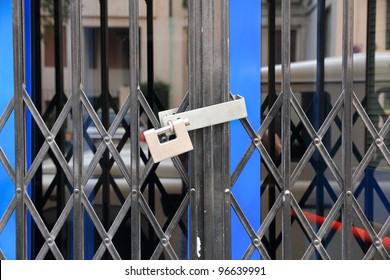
x: 370, y: 92
x: 77, y: 113
x: 20, y: 122
x: 134, y: 129
x: 272, y: 130
x: 319, y: 103
x: 286, y: 130
x: 59, y: 92
x: 36, y: 138
x: 347, y: 85
x: 150, y: 97
x: 105, y: 109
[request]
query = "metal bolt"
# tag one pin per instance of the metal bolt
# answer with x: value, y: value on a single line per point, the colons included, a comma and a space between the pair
x: 349, y: 193
x: 287, y: 192
x: 317, y: 141
x: 50, y: 241
x: 76, y: 191
x: 256, y: 141
x: 18, y: 190
x: 256, y: 242
x: 316, y: 242
x: 134, y: 192
x: 227, y: 191
x: 106, y: 139
x: 378, y: 141
x: 164, y: 241
x: 49, y: 139
x: 107, y: 240
x: 378, y: 242
x: 163, y: 139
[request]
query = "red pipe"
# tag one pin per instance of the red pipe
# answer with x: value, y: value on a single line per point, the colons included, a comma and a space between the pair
x: 336, y: 226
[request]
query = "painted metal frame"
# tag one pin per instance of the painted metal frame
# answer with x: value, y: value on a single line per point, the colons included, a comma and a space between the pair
x: 208, y: 182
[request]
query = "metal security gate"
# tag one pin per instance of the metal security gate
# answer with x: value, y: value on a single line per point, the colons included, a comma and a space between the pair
x: 71, y: 204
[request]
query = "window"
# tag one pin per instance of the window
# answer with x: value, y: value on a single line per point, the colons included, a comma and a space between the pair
x: 49, y: 42
x: 118, y: 47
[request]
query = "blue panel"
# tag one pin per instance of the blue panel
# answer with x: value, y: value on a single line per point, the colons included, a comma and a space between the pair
x: 7, y: 137
x: 245, y: 51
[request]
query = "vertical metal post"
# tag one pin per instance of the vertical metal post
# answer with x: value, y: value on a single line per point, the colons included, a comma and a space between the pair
x: 105, y: 107
x: 37, y: 139
x: 286, y: 131
x: 347, y: 64
x: 59, y: 92
x: 150, y: 53
x: 20, y: 135
x: 370, y: 91
x: 150, y: 97
x: 272, y: 130
x: 77, y: 113
x: 319, y: 103
x: 209, y: 84
x: 134, y: 129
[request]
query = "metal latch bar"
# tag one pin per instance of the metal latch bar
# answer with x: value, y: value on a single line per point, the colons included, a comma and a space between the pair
x: 208, y: 116
x: 180, y: 123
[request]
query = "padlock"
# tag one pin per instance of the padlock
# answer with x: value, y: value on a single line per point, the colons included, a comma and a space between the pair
x: 170, y: 148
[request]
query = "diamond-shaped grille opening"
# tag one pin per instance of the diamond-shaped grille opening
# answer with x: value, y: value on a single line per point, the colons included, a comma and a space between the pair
x: 239, y: 144
x: 122, y: 240
x: 151, y: 239
x: 165, y: 199
x: 301, y: 235
x: 241, y: 233
x: 179, y: 238
x: 272, y: 238
x: 358, y: 143
x: 331, y: 235
x: 8, y: 189
x: 362, y: 240
x: 372, y: 196
x: 334, y: 144
x: 56, y: 235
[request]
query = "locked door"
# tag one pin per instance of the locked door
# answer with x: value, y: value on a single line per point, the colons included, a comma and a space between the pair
x: 94, y: 189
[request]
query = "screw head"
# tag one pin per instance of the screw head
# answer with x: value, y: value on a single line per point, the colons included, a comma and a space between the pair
x: 164, y: 241
x: 50, y: 241
x: 378, y: 141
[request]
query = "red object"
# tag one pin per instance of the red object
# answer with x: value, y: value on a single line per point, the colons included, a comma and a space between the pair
x: 142, y: 137
x: 336, y: 226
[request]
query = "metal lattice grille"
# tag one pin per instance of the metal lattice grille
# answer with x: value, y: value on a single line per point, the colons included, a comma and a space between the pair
x: 84, y: 186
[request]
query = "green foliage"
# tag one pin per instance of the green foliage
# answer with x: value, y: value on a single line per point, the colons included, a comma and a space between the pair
x: 47, y: 18
x: 47, y: 8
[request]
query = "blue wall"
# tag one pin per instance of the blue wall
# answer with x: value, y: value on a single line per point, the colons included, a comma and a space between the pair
x: 245, y: 55
x: 7, y: 136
